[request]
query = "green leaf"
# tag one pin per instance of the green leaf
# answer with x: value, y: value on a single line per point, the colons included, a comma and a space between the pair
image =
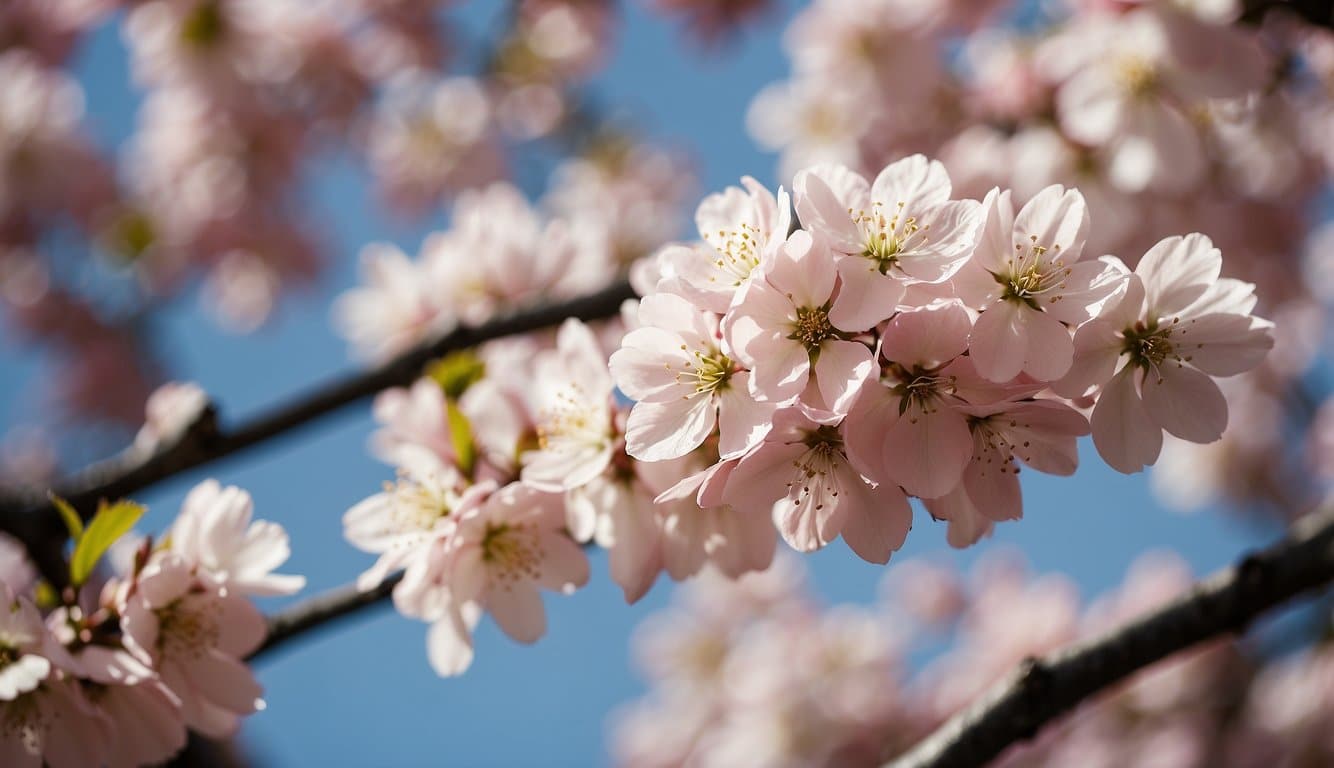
x: 110, y: 523
x: 460, y: 434
x: 456, y: 372
x: 72, y: 520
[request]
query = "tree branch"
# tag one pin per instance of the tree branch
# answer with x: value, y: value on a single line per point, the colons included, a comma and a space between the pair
x: 29, y: 516
x: 322, y: 610
x: 1041, y: 689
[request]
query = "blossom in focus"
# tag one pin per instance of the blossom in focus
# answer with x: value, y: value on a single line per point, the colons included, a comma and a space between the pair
x: 1178, y: 325
x: 899, y: 229
x: 1040, y: 287
x: 684, y: 384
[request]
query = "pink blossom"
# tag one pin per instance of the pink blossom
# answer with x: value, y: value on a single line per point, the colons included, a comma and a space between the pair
x: 802, y: 475
x: 900, y: 229
x: 1039, y: 287
x: 402, y: 304
x: 53, y: 725
x: 24, y: 639
x: 500, y: 253
x: 684, y: 384
x: 1039, y: 433
x: 400, y: 523
x: 1178, y: 325
x: 171, y: 410
x: 214, y: 533
x: 1131, y: 77
x: 431, y: 138
x: 739, y: 229
x: 503, y: 551
x: 910, y: 428
x: 699, y: 527
x: 195, y: 634
x: 145, y: 716
x: 574, y: 405
x: 785, y: 328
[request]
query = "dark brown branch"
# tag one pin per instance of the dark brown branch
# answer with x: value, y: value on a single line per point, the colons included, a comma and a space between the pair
x: 1317, y: 12
x: 1042, y: 689
x: 29, y: 516
x: 320, y: 611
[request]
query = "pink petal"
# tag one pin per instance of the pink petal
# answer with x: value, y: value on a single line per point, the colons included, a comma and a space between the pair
x: 878, y: 520
x: 1185, y: 402
x: 1125, y: 436
x: 449, y: 645
x: 1177, y: 271
x: 517, y: 608
x: 915, y: 181
x: 999, y: 341
x: 743, y: 421
x: 927, y: 337
x: 926, y: 452
x: 840, y: 371
x: 865, y: 297
x: 1097, y: 348
x: 818, y: 205
x: 1050, y: 350
x: 660, y: 431
x: 1058, y: 218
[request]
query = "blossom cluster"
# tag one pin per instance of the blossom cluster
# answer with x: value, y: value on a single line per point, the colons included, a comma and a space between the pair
x: 801, y: 383
x: 907, y: 343
x: 114, y: 670
x: 1168, y: 117
x: 757, y: 672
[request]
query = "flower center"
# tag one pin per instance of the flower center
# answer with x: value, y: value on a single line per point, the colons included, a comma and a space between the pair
x: 1147, y: 344
x: 887, y: 237
x: 573, y: 416
x: 1137, y: 75
x: 738, y: 252
x: 709, y: 369
x: 417, y: 506
x: 815, y: 465
x: 1028, y: 274
x: 812, y: 327
x: 187, y: 629
x: 513, y: 552
x: 919, y: 388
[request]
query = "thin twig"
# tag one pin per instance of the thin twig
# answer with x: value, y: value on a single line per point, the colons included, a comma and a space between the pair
x: 320, y: 611
x: 1041, y: 689
x: 28, y: 514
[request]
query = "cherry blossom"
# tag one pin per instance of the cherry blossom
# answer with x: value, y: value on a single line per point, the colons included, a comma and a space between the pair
x: 215, y: 533
x: 504, y: 550
x: 899, y: 229
x: 789, y: 320
x: 684, y: 383
x: 1178, y: 325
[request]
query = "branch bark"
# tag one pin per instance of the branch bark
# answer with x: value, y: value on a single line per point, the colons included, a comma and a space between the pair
x: 1042, y: 689
x: 29, y: 516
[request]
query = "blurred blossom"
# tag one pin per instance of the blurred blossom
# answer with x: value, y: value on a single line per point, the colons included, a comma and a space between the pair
x: 428, y: 139
x: 171, y: 410
x: 800, y: 684
x: 40, y: 114
x: 714, y: 21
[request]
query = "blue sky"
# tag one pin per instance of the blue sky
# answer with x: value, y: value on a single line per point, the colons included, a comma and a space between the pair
x: 364, y: 694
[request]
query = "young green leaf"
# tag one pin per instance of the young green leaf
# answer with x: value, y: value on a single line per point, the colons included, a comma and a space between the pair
x: 110, y: 523
x: 460, y: 434
x: 72, y: 520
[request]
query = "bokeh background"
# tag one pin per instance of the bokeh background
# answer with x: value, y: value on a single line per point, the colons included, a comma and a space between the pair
x: 361, y: 692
